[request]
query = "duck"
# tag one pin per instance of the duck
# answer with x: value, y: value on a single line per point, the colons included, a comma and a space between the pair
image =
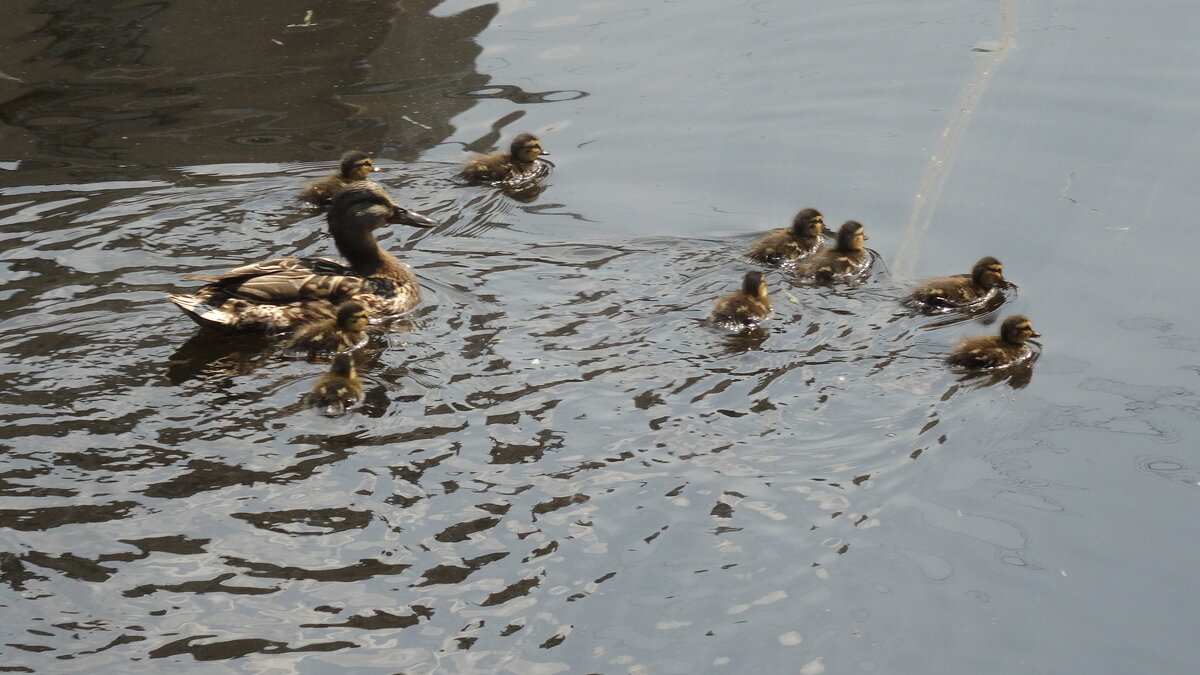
x: 337, y: 389
x: 283, y: 293
x: 745, y: 307
x: 961, y: 290
x: 519, y: 160
x: 786, y: 245
x: 356, y: 165
x: 847, y: 258
x: 341, y: 333
x: 991, y: 351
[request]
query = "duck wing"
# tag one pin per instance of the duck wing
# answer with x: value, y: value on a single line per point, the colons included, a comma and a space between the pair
x: 284, y: 280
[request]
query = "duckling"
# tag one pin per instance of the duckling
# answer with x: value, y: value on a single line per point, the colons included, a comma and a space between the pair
x: 283, y: 293
x: 338, y: 389
x: 786, y: 245
x: 992, y: 351
x: 847, y: 258
x: 745, y: 307
x: 356, y: 165
x: 342, y: 333
x: 961, y: 289
x: 520, y: 158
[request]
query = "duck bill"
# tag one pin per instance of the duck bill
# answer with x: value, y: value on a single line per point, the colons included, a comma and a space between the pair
x: 1033, y: 335
x: 405, y: 217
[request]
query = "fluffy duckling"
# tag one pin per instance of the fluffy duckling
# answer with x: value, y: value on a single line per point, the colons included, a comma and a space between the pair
x: 745, y: 307
x: 519, y: 159
x: 338, y: 389
x: 356, y: 165
x: 786, y: 245
x: 341, y: 333
x: 847, y: 258
x: 961, y: 289
x: 283, y: 293
x: 992, y: 351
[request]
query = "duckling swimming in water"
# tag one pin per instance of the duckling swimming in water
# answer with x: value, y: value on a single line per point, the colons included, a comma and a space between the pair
x: 961, y: 289
x: 283, y: 293
x: 520, y: 159
x: 341, y: 333
x: 356, y: 165
x: 786, y: 245
x: 338, y: 389
x: 847, y: 258
x: 745, y: 307
x: 992, y: 351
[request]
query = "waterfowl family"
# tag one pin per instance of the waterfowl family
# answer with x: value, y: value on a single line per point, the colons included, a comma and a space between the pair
x: 744, y: 307
x: 337, y: 389
x: 847, y: 258
x: 356, y: 165
x: 991, y: 351
x: 961, y: 289
x: 285, y: 292
x: 520, y: 158
x: 343, y: 332
x: 785, y: 245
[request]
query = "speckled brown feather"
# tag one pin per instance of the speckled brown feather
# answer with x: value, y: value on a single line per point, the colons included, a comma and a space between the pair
x: 784, y: 246
x: 520, y: 159
x: 746, y: 306
x: 846, y: 259
x: 994, y: 351
x: 960, y: 289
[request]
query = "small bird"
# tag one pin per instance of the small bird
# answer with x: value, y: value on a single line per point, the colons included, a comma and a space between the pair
x: 786, y: 245
x: 356, y: 165
x: 992, y: 351
x: 341, y: 333
x: 338, y: 389
x: 283, y: 293
x: 961, y: 289
x: 846, y: 259
x: 519, y: 160
x: 745, y: 307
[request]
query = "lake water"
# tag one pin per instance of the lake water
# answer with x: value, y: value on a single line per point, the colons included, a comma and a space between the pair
x: 558, y: 468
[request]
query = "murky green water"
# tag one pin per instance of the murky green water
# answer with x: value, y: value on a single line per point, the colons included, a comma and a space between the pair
x: 558, y: 467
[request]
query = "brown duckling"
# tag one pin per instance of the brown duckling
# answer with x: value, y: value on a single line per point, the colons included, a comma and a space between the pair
x: 991, y: 351
x: 520, y: 158
x: 341, y: 333
x: 961, y: 289
x: 283, y: 293
x: 338, y: 389
x: 356, y: 165
x: 847, y: 258
x: 786, y: 245
x: 745, y: 307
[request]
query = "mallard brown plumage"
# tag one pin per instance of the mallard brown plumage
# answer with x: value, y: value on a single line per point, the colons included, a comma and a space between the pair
x: 520, y: 159
x: 337, y: 389
x: 744, y: 307
x: 786, y: 245
x: 991, y: 351
x: 848, y: 258
x: 961, y: 289
x: 283, y: 293
x: 341, y: 333
x: 356, y: 165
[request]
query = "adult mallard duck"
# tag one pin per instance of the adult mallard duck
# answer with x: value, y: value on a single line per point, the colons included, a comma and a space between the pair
x: 356, y: 165
x: 786, y: 245
x: 341, y: 333
x: 337, y: 389
x: 283, y: 293
x: 960, y: 290
x: 991, y: 351
x: 848, y: 258
x: 520, y: 159
x: 745, y: 307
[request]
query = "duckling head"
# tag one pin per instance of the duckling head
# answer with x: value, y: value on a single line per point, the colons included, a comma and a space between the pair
x: 754, y: 285
x: 343, y: 366
x: 352, y: 317
x: 526, y: 148
x: 356, y: 165
x: 851, y: 236
x: 988, y: 272
x: 808, y: 223
x: 1016, y: 329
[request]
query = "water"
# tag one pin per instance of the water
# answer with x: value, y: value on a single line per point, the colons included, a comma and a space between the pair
x: 558, y: 467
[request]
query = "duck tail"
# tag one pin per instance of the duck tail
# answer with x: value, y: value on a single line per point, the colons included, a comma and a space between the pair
x: 203, y: 313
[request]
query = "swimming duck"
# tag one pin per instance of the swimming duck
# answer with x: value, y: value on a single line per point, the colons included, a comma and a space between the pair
x: 356, y: 165
x: 519, y: 159
x: 338, y: 389
x: 846, y: 259
x: 961, y: 289
x: 341, y: 333
x: 284, y: 293
x: 745, y: 307
x: 785, y: 245
x: 992, y: 351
